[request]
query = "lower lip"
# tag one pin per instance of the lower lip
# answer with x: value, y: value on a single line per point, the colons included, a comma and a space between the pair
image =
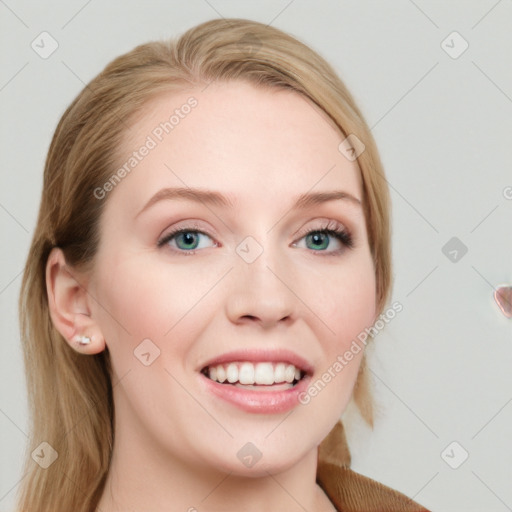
x: 260, y: 402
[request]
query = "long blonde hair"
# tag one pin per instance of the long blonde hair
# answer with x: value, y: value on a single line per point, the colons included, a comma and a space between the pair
x: 70, y: 395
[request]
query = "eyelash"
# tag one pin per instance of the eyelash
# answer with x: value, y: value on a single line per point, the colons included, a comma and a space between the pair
x: 332, y: 229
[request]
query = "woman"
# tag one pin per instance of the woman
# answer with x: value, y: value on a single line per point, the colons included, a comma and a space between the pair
x: 213, y: 236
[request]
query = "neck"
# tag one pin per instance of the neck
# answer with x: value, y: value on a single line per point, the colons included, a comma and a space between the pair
x: 143, y: 477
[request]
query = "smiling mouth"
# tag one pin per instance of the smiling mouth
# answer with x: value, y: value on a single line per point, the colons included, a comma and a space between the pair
x: 263, y: 375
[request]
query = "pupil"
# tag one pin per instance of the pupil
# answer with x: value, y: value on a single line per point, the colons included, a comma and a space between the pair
x: 188, y: 238
x: 317, y: 239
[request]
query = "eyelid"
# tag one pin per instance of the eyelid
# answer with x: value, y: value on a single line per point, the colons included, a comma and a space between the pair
x: 327, y: 224
x: 333, y: 229
x: 192, y: 225
x: 187, y: 226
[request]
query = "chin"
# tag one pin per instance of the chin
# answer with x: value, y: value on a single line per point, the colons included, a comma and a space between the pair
x: 259, y: 454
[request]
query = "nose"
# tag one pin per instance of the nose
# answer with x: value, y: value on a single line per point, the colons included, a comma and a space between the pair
x: 261, y: 292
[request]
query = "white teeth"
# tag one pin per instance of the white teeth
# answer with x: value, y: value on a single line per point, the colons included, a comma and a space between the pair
x: 279, y: 373
x: 289, y: 373
x: 264, y: 374
x: 221, y: 374
x: 246, y: 373
x: 232, y: 373
x: 250, y: 373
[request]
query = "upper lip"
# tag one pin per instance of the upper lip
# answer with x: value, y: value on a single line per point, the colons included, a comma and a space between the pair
x: 261, y: 356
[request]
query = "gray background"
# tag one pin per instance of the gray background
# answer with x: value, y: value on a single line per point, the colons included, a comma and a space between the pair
x: 442, y: 122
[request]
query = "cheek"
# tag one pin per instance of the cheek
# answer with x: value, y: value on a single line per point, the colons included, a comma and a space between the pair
x: 133, y: 302
x: 139, y: 300
x: 127, y: 310
x: 345, y: 303
x: 346, y: 308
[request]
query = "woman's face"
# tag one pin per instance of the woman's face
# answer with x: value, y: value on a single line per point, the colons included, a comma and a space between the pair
x: 243, y: 283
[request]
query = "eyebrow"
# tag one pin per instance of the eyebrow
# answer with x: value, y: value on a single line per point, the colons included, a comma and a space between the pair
x: 211, y: 197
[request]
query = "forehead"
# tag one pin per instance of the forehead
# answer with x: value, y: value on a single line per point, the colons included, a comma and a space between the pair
x: 244, y: 140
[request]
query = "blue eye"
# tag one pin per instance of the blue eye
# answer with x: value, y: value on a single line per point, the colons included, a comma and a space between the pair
x: 187, y: 240
x: 319, y: 239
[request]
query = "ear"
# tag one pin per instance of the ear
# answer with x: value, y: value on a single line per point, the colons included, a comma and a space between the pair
x: 68, y: 301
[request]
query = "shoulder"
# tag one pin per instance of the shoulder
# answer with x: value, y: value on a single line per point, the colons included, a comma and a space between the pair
x: 350, y: 491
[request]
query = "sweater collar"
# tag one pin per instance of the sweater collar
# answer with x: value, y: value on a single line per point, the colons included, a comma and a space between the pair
x: 350, y: 491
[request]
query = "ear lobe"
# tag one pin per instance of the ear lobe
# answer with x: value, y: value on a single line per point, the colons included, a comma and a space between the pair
x: 68, y: 302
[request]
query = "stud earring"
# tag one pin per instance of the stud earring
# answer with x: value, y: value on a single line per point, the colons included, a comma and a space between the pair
x: 83, y: 340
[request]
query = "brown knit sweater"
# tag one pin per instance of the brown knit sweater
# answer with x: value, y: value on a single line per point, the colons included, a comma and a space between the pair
x: 349, y: 491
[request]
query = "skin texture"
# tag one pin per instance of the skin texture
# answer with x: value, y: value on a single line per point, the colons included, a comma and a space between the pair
x: 175, y: 444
